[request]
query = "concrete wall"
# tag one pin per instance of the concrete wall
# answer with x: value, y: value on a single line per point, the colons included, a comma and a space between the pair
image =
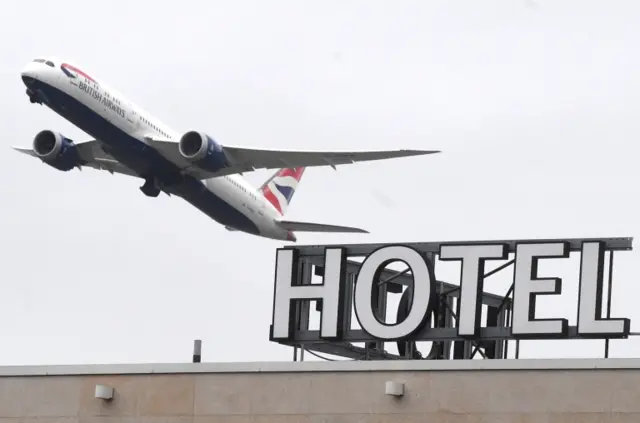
x: 531, y: 391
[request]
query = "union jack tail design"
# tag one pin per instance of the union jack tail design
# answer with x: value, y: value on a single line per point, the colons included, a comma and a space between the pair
x: 279, y: 189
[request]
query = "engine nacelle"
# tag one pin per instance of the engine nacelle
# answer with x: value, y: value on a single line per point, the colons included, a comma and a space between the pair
x: 201, y: 150
x: 56, y: 150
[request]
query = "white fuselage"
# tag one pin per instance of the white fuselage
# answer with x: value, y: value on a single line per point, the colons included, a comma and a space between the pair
x: 121, y: 128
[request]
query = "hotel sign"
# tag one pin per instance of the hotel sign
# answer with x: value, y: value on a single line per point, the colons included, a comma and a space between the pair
x: 528, y: 285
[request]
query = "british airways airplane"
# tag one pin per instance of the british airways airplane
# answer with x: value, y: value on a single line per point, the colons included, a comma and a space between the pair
x: 189, y: 165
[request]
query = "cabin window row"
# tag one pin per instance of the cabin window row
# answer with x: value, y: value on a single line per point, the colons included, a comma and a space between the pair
x: 152, y: 126
x: 241, y: 187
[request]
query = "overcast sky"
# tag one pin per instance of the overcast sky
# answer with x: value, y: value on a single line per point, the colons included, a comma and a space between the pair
x: 535, y: 105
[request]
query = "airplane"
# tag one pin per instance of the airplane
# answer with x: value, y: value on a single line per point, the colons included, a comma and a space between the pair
x: 190, y: 165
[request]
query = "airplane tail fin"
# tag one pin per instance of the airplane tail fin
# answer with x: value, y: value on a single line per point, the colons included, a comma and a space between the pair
x: 279, y: 189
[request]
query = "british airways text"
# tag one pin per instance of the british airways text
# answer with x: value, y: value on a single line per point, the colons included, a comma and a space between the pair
x: 106, y: 101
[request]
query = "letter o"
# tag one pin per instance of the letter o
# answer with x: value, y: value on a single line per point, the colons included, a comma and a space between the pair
x: 419, y: 310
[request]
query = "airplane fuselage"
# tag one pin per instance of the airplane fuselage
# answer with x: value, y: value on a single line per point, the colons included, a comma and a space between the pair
x: 121, y: 128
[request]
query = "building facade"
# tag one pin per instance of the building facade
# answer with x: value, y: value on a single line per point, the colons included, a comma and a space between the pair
x: 446, y: 391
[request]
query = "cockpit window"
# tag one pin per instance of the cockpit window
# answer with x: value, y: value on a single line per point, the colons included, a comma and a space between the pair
x: 39, y: 60
x: 48, y: 63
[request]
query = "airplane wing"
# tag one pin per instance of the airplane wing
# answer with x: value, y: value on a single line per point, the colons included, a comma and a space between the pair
x: 246, y: 159
x: 92, y: 156
x: 317, y: 227
x: 274, y: 159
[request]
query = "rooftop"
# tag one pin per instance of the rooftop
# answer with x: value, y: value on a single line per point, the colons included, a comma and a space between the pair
x: 323, y: 366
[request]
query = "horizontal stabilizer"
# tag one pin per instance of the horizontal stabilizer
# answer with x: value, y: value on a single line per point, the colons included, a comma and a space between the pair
x: 317, y: 227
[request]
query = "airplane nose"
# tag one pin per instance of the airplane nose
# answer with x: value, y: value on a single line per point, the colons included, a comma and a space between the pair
x: 28, y: 74
x: 28, y: 80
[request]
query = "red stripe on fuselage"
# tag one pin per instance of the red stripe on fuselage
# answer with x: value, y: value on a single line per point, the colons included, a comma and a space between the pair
x: 78, y: 71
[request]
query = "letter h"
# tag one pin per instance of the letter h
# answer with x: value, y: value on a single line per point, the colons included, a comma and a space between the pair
x: 329, y: 293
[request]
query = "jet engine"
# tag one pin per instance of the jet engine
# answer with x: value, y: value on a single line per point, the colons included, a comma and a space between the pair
x: 56, y: 150
x: 201, y: 150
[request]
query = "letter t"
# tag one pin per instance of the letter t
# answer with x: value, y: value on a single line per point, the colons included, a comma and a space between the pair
x: 473, y: 258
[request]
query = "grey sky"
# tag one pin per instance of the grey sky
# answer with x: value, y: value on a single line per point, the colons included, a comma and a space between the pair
x: 534, y: 104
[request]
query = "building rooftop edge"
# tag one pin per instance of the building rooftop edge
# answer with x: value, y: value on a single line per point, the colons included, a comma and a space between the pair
x: 321, y: 366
